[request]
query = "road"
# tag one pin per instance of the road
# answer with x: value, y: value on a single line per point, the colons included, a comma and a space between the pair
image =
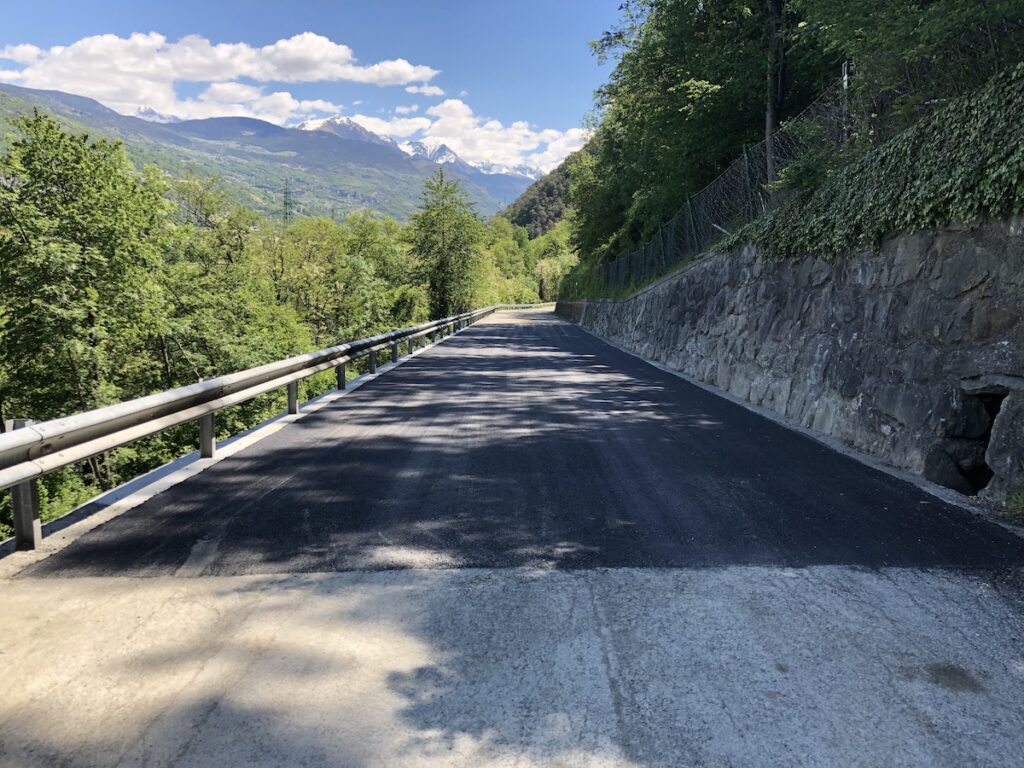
x: 524, y: 547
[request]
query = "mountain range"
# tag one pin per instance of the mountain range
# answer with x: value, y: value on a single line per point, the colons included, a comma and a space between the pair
x: 435, y: 152
x: 333, y: 165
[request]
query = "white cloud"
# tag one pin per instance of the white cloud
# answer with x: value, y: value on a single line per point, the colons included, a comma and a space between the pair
x: 478, y: 139
x: 143, y: 69
x: 558, y: 149
x: 22, y: 54
x: 244, y: 100
x: 425, y: 90
x: 403, y: 127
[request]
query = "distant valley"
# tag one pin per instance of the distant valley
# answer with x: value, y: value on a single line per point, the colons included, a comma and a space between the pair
x: 332, y: 165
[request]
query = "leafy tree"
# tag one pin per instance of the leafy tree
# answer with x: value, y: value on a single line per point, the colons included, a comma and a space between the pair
x: 911, y: 55
x: 445, y: 236
x: 555, y: 257
x: 80, y: 240
x: 544, y: 203
x: 687, y: 92
x: 378, y: 241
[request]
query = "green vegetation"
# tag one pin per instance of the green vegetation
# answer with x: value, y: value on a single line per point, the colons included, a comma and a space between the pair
x: 910, y: 55
x: 929, y: 175
x: 544, y: 203
x: 253, y: 159
x: 696, y: 82
x: 115, y: 284
x: 687, y: 93
x: 445, y: 237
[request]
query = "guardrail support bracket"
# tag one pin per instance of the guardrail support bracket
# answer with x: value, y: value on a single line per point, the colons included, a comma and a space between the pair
x: 293, y: 398
x: 28, y: 529
x: 207, y: 437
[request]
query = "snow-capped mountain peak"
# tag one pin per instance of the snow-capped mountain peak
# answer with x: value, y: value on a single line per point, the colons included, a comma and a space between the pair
x: 522, y: 169
x: 345, y: 127
x: 435, y: 152
x: 442, y: 154
x: 152, y: 116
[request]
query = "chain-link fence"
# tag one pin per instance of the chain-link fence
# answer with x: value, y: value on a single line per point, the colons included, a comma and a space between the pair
x: 737, y: 197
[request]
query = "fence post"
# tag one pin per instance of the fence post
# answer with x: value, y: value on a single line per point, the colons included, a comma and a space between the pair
x: 207, y: 437
x: 340, y: 373
x: 28, y: 529
x: 750, y: 185
x: 394, y: 352
x: 293, y: 397
x: 846, y: 103
x: 693, y: 226
x: 373, y: 361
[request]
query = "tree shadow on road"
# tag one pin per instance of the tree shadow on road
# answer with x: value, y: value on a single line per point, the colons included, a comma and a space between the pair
x: 529, y: 455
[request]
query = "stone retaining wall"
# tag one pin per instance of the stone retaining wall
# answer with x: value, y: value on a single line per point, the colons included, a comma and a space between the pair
x: 914, y: 354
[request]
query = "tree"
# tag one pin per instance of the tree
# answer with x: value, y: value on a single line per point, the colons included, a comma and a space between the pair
x: 445, y: 235
x: 775, y: 74
x: 80, y: 240
x: 686, y: 94
x: 910, y: 55
x: 544, y: 203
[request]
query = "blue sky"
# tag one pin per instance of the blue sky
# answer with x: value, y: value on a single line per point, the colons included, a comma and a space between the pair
x: 517, y: 77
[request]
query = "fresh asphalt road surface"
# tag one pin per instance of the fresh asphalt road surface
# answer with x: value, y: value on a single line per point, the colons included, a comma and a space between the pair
x: 531, y: 443
x: 523, y: 547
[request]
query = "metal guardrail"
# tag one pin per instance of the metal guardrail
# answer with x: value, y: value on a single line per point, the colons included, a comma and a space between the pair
x: 32, y: 450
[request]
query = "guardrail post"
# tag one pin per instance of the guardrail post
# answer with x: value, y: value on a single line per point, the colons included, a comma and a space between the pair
x: 373, y: 361
x: 340, y: 371
x: 412, y: 345
x: 28, y: 530
x: 293, y: 397
x: 207, y: 437
x: 394, y: 352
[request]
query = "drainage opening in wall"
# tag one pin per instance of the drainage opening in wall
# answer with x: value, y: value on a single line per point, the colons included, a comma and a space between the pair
x: 958, y: 461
